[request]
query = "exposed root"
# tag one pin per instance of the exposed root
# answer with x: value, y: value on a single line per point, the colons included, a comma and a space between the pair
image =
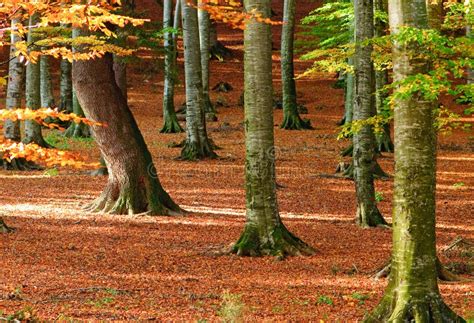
x: 220, y: 52
x: 4, y: 228
x: 348, y: 151
x: 39, y: 141
x: 77, y: 130
x: 397, y: 307
x: 384, y: 142
x: 101, y: 171
x: 19, y: 164
x: 341, y: 122
x: 371, y: 220
x: 193, y: 151
x: 294, y: 122
x: 171, y: 125
x: 279, y: 243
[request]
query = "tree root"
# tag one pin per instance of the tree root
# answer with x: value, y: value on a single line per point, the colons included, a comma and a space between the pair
x: 384, y: 142
x: 348, y: 151
x: 294, y: 122
x: 39, y: 141
x: 443, y: 273
x: 348, y: 171
x: 193, y: 151
x: 220, y: 52
x: 279, y: 243
x: 397, y: 307
x: 171, y: 125
x: 4, y: 228
x: 77, y: 130
x: 20, y: 164
x: 373, y: 219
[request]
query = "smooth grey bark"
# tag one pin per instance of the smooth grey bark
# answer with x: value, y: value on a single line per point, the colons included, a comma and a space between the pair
x: 264, y: 232
x: 197, y: 144
x: 133, y: 186
x: 33, y: 92
x: 412, y: 294
x: 364, y: 154
x: 46, y: 87
x: 170, y: 120
x: 65, y: 86
x: 204, y: 45
x: 15, y: 88
x: 291, y: 117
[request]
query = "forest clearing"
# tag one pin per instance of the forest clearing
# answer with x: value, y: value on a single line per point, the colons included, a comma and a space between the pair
x: 66, y: 262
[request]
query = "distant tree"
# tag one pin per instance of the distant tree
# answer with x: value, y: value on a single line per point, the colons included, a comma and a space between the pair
x: 412, y: 294
x: 291, y: 117
x: 65, y: 86
x: 197, y: 144
x: 264, y: 232
x: 365, y: 154
x: 33, y: 132
x: 170, y: 121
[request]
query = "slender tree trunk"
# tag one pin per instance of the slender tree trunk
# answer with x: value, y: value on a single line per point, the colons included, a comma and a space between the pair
x: 364, y: 155
x: 15, y: 85
x: 204, y: 44
x: 197, y: 145
x: 133, y: 185
x: 291, y: 118
x: 33, y: 93
x: 65, y: 86
x: 264, y: 232
x: 46, y: 87
x: 170, y: 121
x: 412, y: 294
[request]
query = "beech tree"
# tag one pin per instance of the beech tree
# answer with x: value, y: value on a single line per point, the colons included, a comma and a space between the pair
x: 170, y: 120
x: 46, y: 87
x: 197, y: 144
x: 412, y: 293
x: 264, y: 232
x: 291, y: 117
x: 364, y: 154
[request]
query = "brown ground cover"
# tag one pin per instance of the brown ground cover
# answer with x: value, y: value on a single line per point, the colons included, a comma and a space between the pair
x: 64, y: 263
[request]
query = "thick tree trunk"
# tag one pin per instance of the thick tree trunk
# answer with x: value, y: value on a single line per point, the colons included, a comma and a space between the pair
x: 170, y: 121
x: 15, y: 85
x: 46, y: 88
x: 264, y: 232
x: 33, y: 93
x: 204, y: 44
x: 291, y: 117
x: 412, y: 294
x: 364, y: 154
x: 197, y: 145
x: 65, y: 86
x: 133, y: 185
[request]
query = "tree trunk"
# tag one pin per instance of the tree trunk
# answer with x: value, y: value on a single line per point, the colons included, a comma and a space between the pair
x: 133, y: 185
x: 264, y: 232
x: 33, y: 93
x: 65, y: 86
x: 412, y: 294
x: 120, y: 72
x: 218, y: 50
x: 204, y: 44
x: 470, y: 71
x: 46, y: 87
x: 197, y: 145
x: 170, y: 121
x: 14, y: 89
x: 291, y: 117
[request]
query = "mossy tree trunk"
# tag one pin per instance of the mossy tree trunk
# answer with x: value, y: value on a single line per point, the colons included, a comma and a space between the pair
x: 133, y: 186
x: 197, y: 144
x: 33, y: 92
x: 46, y: 88
x: 412, y: 294
x: 204, y: 44
x: 264, y: 232
x: 364, y: 154
x: 291, y: 117
x: 170, y: 120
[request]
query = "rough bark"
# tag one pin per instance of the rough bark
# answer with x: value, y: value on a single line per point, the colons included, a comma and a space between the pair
x: 46, y: 87
x: 364, y: 154
x: 204, y: 44
x: 15, y: 85
x: 412, y: 294
x: 264, y: 232
x: 33, y: 93
x: 170, y: 121
x: 291, y: 117
x: 197, y: 145
x: 133, y: 186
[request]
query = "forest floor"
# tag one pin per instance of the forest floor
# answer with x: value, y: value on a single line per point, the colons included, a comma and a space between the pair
x: 62, y: 263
